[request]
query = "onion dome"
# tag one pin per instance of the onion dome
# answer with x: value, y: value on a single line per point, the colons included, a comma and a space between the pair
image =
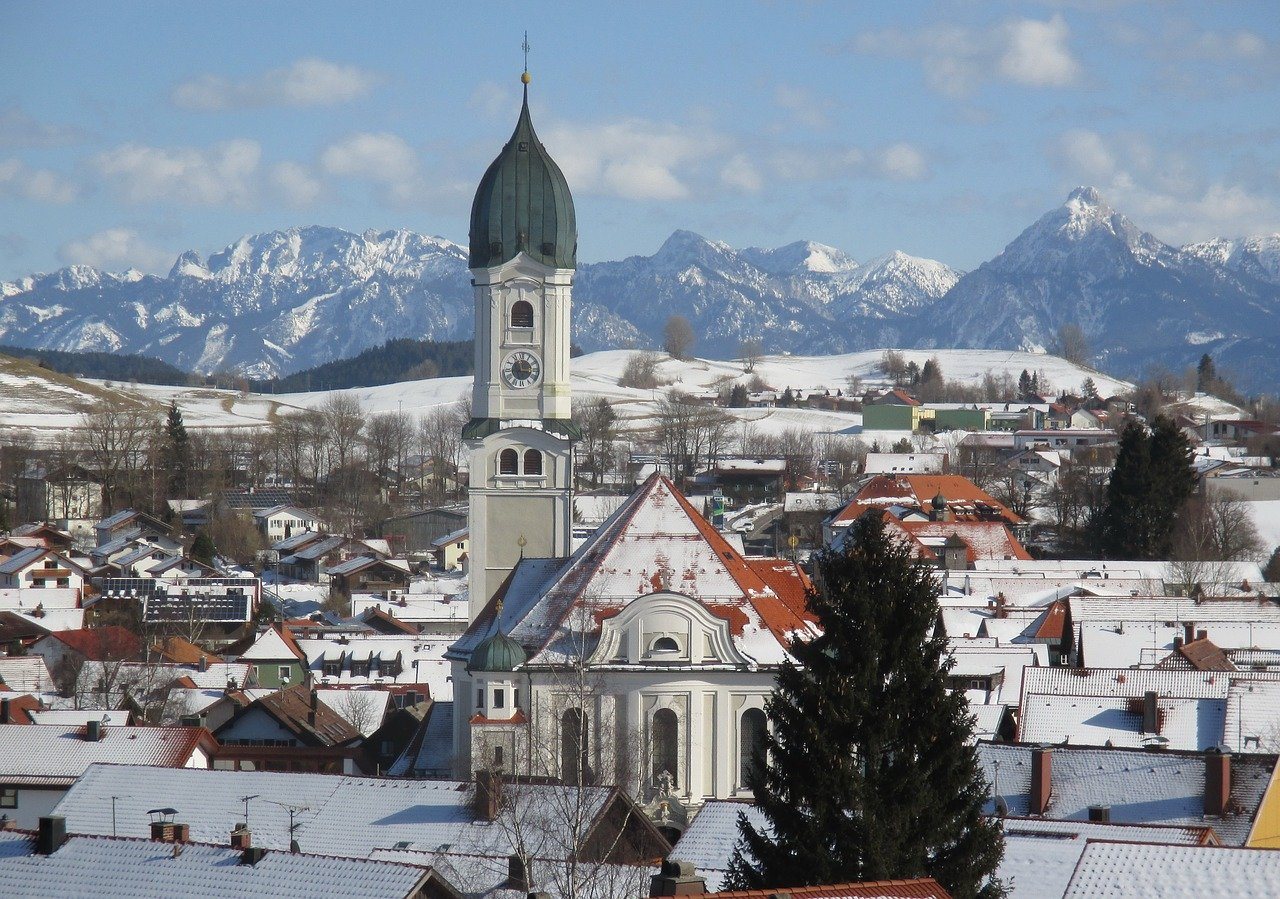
x: 523, y: 204
x: 497, y: 652
x: 939, y: 502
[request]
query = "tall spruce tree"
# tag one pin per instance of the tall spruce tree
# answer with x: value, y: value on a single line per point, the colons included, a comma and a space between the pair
x: 869, y: 774
x: 1152, y: 480
x: 1206, y: 374
x: 177, y: 453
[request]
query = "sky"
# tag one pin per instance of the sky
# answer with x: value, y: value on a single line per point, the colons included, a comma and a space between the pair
x: 130, y: 132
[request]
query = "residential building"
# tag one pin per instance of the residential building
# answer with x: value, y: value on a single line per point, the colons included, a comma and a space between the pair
x: 282, y: 521
x: 276, y: 659
x: 452, y: 549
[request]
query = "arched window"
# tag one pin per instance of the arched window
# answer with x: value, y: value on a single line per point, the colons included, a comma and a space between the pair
x: 508, y: 462
x: 522, y: 314
x: 665, y: 745
x: 532, y: 462
x: 751, y: 731
x: 575, y: 748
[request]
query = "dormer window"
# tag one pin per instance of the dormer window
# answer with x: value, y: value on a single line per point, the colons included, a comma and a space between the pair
x: 664, y: 646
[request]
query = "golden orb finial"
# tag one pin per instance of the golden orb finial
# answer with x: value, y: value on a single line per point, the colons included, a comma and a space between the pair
x: 525, y: 78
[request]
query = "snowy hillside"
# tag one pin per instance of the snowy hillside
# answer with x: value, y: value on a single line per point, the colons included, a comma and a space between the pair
x: 594, y: 375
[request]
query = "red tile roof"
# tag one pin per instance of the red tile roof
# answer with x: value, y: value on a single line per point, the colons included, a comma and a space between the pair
x: 21, y: 707
x: 102, y: 644
x: 1054, y: 621
x: 916, y: 888
x: 965, y: 500
x: 983, y: 539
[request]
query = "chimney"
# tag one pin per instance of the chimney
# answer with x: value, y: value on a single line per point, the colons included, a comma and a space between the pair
x: 170, y: 832
x: 93, y: 731
x: 488, y: 798
x: 1204, y: 635
x: 4, y: 711
x: 1151, y: 712
x: 1100, y: 814
x: 1041, y: 779
x: 1217, y: 782
x: 51, y: 835
x: 677, y: 878
x: 1188, y: 631
x: 203, y: 664
x: 313, y: 706
x: 241, y: 837
x: 252, y: 855
x: 517, y: 874
x: 1177, y: 642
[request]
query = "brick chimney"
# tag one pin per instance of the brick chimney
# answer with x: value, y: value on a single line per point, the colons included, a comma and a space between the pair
x: 1202, y: 635
x: 1188, y: 631
x: 170, y: 832
x: 241, y: 837
x: 488, y: 798
x: 1041, y: 779
x: 677, y: 878
x: 313, y: 706
x: 1217, y: 782
x: 1151, y: 712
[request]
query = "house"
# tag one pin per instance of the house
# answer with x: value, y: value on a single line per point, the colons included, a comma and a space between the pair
x: 276, y: 659
x: 51, y: 863
x: 1063, y: 438
x: 947, y: 498
x: 367, y: 574
x: 1145, y: 871
x: 70, y: 498
x: 45, y: 533
x: 37, y: 567
x: 62, y: 650
x: 129, y: 521
x: 746, y: 481
x: 451, y: 550
x: 39, y: 763
x: 282, y: 521
x: 1137, y: 786
x: 311, y: 562
x: 289, y: 729
x: 905, y: 463
x: 211, y: 609
x: 449, y: 825
x: 1236, y: 430
x: 417, y: 532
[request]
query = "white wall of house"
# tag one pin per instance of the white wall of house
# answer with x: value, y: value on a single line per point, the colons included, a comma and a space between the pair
x: 31, y: 804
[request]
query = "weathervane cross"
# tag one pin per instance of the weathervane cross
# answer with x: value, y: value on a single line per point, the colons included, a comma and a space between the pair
x: 525, y: 47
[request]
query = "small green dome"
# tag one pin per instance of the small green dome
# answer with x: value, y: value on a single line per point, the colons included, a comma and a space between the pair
x: 497, y: 652
x: 523, y: 204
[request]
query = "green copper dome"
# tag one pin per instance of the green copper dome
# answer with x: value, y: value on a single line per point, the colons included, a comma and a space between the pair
x: 523, y: 204
x: 497, y: 652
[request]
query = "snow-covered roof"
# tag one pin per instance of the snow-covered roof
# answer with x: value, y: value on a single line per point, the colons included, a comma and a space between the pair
x: 654, y: 542
x: 344, y: 816
x: 709, y: 841
x: 1140, y: 786
x: 422, y: 660
x: 271, y: 646
x: 58, y: 753
x: 106, y: 867
x: 25, y: 673
x: 1144, y: 871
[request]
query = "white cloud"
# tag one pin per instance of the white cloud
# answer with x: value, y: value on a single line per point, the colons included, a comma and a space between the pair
x: 957, y: 59
x: 115, y: 249
x: 1036, y: 53
x: 1238, y: 45
x: 295, y: 184
x: 741, y: 173
x: 1161, y: 189
x: 17, y: 179
x: 902, y: 162
x: 636, y: 159
x: 382, y: 158
x: 223, y: 175
x: 307, y: 82
x: 492, y: 99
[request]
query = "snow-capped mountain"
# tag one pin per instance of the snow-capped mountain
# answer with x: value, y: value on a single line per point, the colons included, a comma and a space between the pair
x: 287, y: 300
x: 1139, y: 300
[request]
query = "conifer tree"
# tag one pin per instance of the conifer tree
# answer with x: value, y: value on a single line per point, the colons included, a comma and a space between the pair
x: 1151, y: 481
x: 1206, y: 374
x: 1024, y: 384
x: 177, y: 453
x: 869, y: 773
x: 202, y: 548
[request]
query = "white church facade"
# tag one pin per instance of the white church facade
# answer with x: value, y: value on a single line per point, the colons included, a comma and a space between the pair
x: 645, y: 657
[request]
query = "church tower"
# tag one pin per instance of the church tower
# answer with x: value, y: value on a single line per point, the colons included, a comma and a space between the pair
x: 524, y: 247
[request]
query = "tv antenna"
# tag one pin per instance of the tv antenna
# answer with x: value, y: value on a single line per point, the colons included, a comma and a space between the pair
x: 246, y: 800
x: 294, y: 811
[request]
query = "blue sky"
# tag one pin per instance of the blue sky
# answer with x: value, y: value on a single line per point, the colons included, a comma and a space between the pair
x: 132, y: 131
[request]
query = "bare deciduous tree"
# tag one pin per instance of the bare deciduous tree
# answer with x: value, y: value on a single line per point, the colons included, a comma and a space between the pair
x: 678, y: 337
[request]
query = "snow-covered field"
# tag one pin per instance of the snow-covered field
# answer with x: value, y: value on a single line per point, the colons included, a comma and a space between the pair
x: 50, y: 408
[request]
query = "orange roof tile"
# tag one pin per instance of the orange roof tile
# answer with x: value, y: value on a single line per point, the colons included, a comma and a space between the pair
x: 965, y: 500
x: 916, y: 888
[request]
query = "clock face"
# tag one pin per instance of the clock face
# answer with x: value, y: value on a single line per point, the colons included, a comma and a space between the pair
x: 521, y: 369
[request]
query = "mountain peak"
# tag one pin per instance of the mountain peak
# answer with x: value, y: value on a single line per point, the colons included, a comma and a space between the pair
x: 1086, y: 196
x: 687, y: 246
x: 800, y: 257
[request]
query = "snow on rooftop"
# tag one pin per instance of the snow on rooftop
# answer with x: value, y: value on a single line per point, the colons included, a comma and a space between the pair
x: 1139, y: 871
x: 709, y: 840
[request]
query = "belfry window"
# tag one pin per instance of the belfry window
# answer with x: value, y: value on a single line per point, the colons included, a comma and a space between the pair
x: 508, y: 462
x: 532, y: 462
x: 522, y: 314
